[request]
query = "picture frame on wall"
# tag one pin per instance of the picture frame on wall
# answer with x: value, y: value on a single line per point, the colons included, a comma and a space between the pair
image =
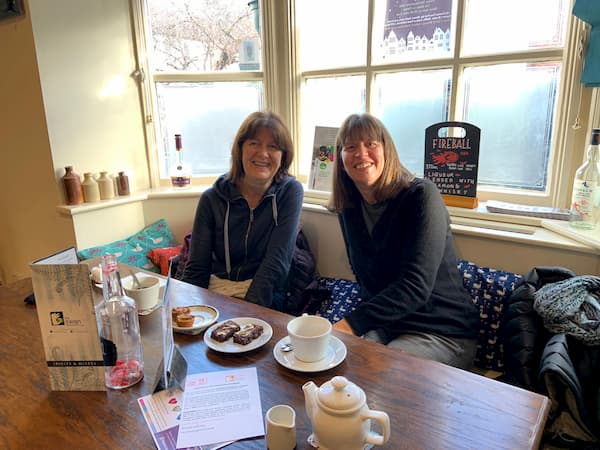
x: 10, y: 9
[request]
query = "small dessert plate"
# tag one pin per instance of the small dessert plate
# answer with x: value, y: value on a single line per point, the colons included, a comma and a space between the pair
x: 204, y: 316
x: 336, y: 353
x: 231, y: 347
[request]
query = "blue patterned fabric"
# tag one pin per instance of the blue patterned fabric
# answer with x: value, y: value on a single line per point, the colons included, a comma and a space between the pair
x: 134, y: 250
x: 489, y: 290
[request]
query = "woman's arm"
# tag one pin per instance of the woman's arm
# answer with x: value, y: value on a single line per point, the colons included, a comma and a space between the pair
x: 198, y: 268
x: 275, y: 266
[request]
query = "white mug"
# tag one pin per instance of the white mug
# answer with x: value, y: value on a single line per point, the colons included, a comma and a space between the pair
x: 309, y: 336
x: 145, y: 297
x: 281, y: 427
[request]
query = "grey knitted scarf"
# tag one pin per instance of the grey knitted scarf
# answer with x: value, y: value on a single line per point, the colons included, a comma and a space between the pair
x: 571, y: 306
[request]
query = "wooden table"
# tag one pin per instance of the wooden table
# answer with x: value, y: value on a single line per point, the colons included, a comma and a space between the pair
x: 431, y: 406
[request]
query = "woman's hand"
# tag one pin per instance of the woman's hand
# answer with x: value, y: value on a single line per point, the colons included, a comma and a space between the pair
x: 343, y: 326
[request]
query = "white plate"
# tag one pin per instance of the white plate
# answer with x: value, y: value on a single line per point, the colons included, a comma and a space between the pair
x: 336, y: 353
x: 231, y: 347
x: 145, y: 312
x: 204, y: 316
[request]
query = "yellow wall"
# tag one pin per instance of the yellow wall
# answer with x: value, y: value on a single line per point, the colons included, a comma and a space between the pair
x: 30, y: 227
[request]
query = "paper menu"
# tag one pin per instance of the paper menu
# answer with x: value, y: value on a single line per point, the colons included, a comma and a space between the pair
x: 65, y: 308
x: 216, y: 401
x: 162, y: 412
x: 323, y: 159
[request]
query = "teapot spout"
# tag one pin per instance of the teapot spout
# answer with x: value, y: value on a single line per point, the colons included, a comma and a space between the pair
x: 310, y: 390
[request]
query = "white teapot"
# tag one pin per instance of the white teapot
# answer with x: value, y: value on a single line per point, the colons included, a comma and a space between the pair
x: 340, y: 417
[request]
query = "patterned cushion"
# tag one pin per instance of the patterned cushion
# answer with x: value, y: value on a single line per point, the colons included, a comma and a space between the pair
x: 489, y: 290
x: 133, y: 250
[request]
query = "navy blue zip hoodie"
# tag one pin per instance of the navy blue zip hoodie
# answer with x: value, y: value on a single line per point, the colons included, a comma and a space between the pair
x: 234, y: 242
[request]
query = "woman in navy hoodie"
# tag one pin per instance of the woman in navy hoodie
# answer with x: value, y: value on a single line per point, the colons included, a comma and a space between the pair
x: 246, y: 224
x: 397, y: 234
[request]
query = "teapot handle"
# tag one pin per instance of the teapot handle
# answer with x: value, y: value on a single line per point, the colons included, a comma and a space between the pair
x: 384, y: 421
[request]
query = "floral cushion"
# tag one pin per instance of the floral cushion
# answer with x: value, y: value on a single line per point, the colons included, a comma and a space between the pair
x: 133, y: 250
x: 489, y: 290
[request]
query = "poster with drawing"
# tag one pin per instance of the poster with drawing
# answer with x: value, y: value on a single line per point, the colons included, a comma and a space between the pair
x: 323, y: 159
x: 416, y: 26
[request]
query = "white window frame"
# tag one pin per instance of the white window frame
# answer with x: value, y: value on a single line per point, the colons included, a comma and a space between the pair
x: 282, y: 82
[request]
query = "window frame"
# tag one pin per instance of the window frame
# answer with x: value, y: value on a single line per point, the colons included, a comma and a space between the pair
x: 283, y: 80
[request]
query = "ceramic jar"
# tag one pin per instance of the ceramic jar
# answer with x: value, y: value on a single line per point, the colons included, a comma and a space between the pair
x: 91, y: 191
x: 73, y: 189
x: 106, y: 186
x: 122, y: 184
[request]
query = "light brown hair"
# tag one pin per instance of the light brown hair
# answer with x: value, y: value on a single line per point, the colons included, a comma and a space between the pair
x: 394, y: 178
x: 249, y: 130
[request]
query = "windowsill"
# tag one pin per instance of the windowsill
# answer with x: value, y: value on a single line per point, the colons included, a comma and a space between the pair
x: 473, y: 222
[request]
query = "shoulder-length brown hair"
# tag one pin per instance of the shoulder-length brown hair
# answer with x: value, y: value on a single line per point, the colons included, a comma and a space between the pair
x: 249, y: 130
x: 394, y: 178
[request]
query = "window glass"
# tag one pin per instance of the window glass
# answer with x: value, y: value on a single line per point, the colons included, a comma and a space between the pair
x: 326, y: 102
x: 204, y: 36
x: 406, y: 30
x: 407, y: 103
x: 513, y: 25
x: 207, y: 115
x: 514, y: 105
x: 331, y: 33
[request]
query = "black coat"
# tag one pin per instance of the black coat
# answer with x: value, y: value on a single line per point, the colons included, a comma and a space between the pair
x: 523, y: 334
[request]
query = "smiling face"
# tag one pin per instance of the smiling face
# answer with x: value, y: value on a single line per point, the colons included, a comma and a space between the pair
x: 363, y: 161
x: 261, y: 158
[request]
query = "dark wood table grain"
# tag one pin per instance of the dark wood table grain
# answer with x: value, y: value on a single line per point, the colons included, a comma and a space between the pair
x: 431, y: 406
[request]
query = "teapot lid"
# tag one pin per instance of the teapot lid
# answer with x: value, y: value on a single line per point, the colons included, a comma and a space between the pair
x: 341, y: 394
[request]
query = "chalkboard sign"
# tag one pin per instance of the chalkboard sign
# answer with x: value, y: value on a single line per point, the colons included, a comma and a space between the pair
x: 451, y: 159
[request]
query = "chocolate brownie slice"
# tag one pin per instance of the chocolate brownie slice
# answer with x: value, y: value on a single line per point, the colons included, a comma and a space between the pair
x: 224, y: 331
x: 247, y: 334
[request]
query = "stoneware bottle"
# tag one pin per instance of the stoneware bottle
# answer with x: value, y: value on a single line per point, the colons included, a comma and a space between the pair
x: 122, y: 184
x: 106, y: 186
x: 73, y: 189
x: 91, y: 192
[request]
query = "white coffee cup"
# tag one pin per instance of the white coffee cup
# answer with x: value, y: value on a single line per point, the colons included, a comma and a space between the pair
x: 145, y: 297
x: 309, y: 336
x: 281, y: 427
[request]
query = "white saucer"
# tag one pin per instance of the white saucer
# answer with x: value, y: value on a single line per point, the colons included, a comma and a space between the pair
x: 231, y: 347
x: 204, y: 316
x: 145, y: 312
x: 336, y: 353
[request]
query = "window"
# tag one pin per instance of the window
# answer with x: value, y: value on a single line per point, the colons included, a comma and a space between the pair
x: 510, y: 68
x: 486, y: 63
x: 206, y: 76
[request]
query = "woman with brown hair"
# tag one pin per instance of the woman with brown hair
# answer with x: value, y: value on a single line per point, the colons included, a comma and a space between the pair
x: 397, y: 234
x: 246, y: 224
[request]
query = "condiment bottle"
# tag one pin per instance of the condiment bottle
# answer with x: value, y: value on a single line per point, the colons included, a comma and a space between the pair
x: 73, y: 189
x: 119, y: 330
x: 586, y: 188
x: 91, y: 192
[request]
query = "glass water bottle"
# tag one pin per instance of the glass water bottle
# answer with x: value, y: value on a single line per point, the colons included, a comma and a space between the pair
x: 119, y: 330
x: 586, y: 188
x: 181, y: 172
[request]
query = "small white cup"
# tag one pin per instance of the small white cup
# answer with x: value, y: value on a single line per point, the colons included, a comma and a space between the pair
x: 309, y: 336
x: 281, y: 427
x: 145, y: 297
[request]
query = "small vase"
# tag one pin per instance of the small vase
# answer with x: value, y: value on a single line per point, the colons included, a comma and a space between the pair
x: 106, y: 186
x: 73, y: 188
x: 91, y: 192
x: 122, y: 184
